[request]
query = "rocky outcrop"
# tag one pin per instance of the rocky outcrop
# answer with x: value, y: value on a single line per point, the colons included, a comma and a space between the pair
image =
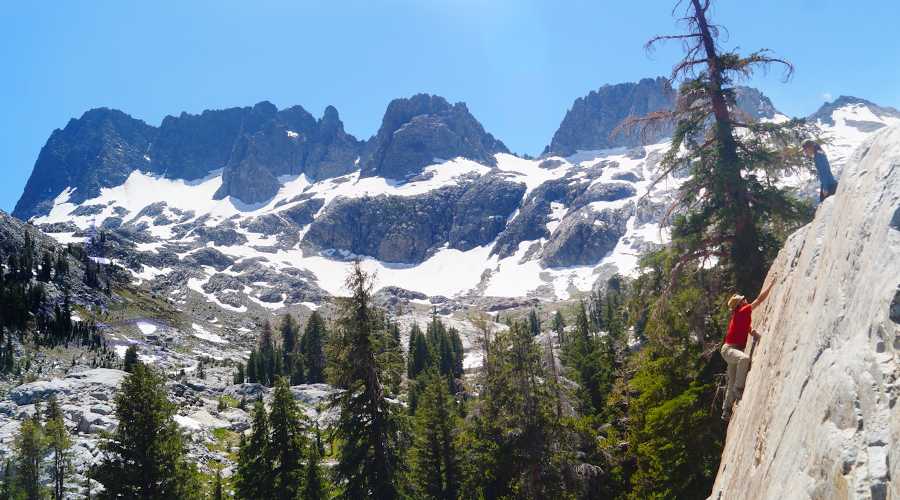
x: 586, y: 236
x: 531, y: 221
x: 249, y: 182
x: 190, y: 146
x: 482, y: 211
x: 592, y: 119
x: 406, y: 228
x: 288, y: 142
x: 415, y: 131
x: 754, y: 103
x: 819, y: 417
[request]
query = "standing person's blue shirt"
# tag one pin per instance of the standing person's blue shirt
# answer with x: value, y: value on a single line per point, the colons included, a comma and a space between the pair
x: 827, y: 181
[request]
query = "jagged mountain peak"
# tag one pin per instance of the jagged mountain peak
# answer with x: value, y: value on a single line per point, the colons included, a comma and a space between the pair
x: 590, y: 122
x: 825, y: 114
x: 417, y: 130
x: 96, y: 151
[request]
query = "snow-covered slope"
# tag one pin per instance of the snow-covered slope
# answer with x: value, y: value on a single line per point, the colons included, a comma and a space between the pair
x: 448, y: 272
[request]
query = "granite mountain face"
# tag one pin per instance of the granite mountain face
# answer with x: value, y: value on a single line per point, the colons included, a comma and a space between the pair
x: 260, y: 207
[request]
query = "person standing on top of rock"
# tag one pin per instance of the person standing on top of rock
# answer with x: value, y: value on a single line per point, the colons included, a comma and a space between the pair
x: 828, y: 182
x: 736, y: 341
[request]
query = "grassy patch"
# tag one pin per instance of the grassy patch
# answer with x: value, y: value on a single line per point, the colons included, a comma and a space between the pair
x: 224, y: 435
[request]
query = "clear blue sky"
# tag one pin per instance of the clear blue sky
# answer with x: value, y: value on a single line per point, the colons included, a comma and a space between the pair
x: 518, y: 64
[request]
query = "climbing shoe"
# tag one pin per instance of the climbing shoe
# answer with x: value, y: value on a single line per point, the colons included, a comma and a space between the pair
x: 738, y: 393
x: 726, y: 415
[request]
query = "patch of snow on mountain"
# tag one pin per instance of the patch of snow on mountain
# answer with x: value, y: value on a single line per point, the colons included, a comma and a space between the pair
x: 527, y: 171
x: 187, y: 423
x: 512, y: 279
x: 584, y: 158
x: 204, y: 334
x: 557, y: 212
x: 146, y: 328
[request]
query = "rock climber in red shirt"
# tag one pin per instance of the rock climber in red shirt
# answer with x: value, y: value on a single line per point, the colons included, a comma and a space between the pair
x: 736, y: 341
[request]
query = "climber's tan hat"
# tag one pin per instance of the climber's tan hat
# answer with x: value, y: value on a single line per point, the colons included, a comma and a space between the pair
x: 734, y: 301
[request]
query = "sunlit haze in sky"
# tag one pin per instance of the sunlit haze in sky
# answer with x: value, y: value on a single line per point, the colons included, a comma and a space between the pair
x: 517, y: 64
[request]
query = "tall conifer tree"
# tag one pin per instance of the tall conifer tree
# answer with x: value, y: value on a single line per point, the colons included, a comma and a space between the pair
x: 59, y: 442
x: 363, y: 363
x: 313, y: 348
x: 146, y: 453
x: 255, y: 463
x: 436, y: 461
x: 728, y: 220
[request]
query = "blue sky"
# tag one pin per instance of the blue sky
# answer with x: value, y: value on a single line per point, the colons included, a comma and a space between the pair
x: 518, y: 65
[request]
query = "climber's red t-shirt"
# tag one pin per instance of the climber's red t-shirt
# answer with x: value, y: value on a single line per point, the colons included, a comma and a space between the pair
x: 740, y: 326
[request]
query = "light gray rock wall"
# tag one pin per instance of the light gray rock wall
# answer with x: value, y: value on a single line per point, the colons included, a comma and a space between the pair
x: 819, y: 418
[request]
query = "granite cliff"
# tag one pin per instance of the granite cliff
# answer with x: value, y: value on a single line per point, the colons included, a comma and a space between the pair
x: 819, y: 417
x: 590, y: 122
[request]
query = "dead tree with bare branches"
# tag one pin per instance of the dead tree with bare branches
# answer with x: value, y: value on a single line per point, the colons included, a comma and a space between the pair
x: 730, y: 211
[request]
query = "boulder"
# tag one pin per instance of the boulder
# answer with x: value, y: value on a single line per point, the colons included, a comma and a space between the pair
x: 100, y: 381
x: 585, y: 236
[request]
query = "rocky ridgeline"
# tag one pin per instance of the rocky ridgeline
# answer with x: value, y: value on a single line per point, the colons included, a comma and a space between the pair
x: 819, y: 417
x: 252, y: 147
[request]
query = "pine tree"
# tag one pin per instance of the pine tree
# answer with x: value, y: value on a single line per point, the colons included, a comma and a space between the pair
x: 730, y: 211
x: 217, y: 488
x: 131, y: 358
x: 559, y: 326
x: 10, y: 488
x: 436, y: 461
x: 146, y: 453
x: 313, y: 348
x: 29, y: 445
x: 59, y: 443
x: 315, y: 483
x: 251, y: 370
x: 361, y: 363
x: 287, y: 442
x: 289, y: 331
x: 255, y: 463
x: 265, y: 339
x: 534, y: 322
x: 419, y: 356
x: 46, y: 268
